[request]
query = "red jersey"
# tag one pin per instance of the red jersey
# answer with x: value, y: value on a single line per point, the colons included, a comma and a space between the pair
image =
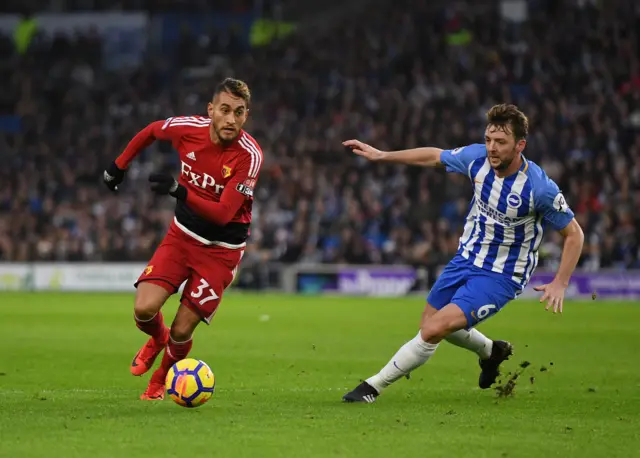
x: 219, y: 179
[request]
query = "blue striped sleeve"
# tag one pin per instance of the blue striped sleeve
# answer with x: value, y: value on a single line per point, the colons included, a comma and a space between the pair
x: 459, y: 159
x: 551, y: 203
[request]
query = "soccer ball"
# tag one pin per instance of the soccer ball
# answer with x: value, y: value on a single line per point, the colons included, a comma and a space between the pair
x: 190, y: 382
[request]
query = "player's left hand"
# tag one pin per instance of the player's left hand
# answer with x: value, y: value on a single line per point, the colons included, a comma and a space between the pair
x: 163, y: 184
x: 113, y: 176
x: 553, y: 294
x: 364, y: 150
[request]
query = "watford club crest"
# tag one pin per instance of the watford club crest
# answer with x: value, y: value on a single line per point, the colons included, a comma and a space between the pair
x: 226, y: 171
x: 148, y: 270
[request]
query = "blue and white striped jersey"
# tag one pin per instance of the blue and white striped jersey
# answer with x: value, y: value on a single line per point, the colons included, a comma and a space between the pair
x: 507, y: 216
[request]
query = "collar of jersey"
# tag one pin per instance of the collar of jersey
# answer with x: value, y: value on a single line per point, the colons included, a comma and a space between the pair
x: 525, y: 164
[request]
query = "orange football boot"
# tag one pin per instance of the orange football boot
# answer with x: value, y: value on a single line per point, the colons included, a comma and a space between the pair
x: 155, y: 389
x: 147, y: 355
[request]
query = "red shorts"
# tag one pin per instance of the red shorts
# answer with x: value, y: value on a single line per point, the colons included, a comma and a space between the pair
x: 207, y: 269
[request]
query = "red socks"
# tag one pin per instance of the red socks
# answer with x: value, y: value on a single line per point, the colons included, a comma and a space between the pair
x: 154, y: 327
x: 173, y: 352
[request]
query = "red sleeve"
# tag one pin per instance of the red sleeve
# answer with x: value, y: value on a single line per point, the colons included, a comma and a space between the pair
x: 155, y: 131
x: 237, y: 190
x: 219, y: 213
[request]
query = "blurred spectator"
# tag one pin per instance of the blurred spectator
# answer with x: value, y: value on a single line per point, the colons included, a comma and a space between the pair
x: 386, y: 79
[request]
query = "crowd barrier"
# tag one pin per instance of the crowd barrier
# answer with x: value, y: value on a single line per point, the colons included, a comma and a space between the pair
x: 314, y: 279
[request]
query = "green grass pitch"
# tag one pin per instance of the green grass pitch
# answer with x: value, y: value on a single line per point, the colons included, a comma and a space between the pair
x: 282, y: 364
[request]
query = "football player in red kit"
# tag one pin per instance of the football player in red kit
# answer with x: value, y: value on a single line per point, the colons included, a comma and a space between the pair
x: 220, y: 164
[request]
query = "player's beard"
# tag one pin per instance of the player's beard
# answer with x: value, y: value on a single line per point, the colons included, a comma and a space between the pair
x: 505, y: 163
x: 225, y: 141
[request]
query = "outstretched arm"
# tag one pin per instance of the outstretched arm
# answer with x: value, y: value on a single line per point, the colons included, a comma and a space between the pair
x: 115, y: 172
x: 425, y: 157
x: 155, y: 131
x: 458, y: 160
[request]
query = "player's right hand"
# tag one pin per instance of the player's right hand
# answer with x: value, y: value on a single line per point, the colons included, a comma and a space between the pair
x: 364, y: 150
x: 113, y: 176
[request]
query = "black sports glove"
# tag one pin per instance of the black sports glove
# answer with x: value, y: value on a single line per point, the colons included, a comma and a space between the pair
x: 163, y: 184
x: 113, y: 176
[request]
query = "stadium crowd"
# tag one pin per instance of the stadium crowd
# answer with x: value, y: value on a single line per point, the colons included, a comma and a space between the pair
x: 386, y: 79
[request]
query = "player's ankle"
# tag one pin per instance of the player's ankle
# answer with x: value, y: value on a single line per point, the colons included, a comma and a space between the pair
x: 159, y: 374
x: 377, y: 383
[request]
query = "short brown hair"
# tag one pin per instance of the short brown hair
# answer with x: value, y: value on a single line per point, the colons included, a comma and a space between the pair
x: 507, y: 116
x: 235, y: 87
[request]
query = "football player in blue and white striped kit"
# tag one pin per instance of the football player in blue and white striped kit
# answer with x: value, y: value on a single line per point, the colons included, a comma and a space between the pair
x: 513, y: 203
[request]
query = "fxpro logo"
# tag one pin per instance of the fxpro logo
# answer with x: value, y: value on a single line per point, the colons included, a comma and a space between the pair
x: 200, y: 180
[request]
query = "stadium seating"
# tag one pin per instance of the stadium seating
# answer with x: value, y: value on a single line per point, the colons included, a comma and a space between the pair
x: 401, y: 76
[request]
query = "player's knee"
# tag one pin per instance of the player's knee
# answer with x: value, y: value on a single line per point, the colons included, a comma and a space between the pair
x: 185, y: 322
x: 181, y: 331
x: 144, y: 310
x: 436, y: 328
x: 432, y: 326
x: 147, y: 304
x: 432, y: 332
x: 428, y: 312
